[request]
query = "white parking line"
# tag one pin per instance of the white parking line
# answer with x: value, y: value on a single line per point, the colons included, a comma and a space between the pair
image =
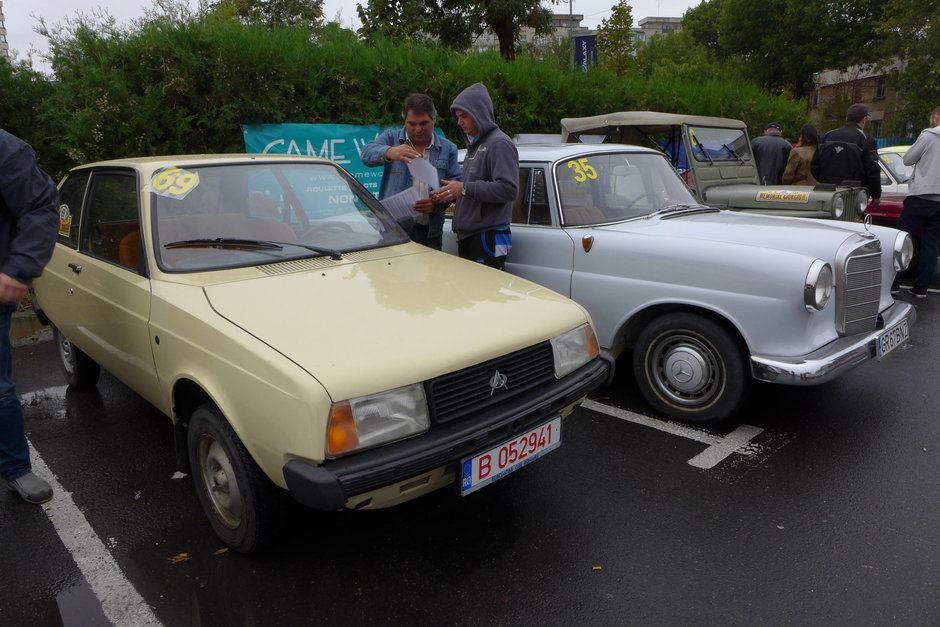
x: 120, y: 602
x: 719, y: 448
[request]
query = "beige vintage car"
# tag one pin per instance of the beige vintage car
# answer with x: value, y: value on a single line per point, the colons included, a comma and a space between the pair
x: 284, y: 321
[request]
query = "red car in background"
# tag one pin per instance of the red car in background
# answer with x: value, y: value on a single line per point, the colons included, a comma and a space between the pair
x: 887, y: 211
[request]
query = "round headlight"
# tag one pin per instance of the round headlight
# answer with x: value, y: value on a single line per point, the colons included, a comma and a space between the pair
x: 862, y: 202
x: 818, y: 287
x: 838, y: 206
x: 903, y: 251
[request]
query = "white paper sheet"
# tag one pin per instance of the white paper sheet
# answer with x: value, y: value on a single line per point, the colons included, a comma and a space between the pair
x: 422, y: 169
x: 401, y: 205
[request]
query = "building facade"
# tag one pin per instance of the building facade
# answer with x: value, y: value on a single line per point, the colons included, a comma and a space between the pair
x: 835, y: 90
x: 4, y: 45
x: 649, y: 26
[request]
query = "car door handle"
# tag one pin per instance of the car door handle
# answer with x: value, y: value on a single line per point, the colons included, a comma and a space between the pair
x: 75, y: 268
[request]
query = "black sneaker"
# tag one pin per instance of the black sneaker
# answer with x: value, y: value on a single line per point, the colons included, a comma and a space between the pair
x: 918, y: 293
x: 31, y: 488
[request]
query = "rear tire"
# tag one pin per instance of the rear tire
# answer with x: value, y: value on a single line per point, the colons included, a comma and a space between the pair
x: 81, y: 371
x: 244, y: 507
x: 690, y: 368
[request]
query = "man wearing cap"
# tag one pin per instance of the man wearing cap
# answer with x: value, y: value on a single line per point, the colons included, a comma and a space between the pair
x: 849, y: 154
x: 770, y: 154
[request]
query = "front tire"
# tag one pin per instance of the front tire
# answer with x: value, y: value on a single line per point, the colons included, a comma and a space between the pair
x: 690, y: 368
x: 81, y: 371
x: 243, y: 506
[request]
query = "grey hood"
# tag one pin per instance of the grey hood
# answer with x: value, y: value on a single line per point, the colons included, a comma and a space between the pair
x: 476, y: 101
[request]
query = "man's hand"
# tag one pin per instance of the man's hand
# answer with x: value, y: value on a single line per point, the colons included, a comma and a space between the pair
x: 402, y: 152
x: 11, y: 290
x: 448, y: 192
x: 424, y: 205
x: 873, y: 203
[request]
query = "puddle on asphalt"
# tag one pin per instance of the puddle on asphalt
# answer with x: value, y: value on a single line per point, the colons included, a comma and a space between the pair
x: 79, y: 607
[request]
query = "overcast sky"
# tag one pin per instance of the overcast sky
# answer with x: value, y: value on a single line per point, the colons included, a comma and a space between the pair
x: 22, y: 15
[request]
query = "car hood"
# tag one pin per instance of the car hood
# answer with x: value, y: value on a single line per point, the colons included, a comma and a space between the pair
x: 354, y: 324
x: 815, y: 238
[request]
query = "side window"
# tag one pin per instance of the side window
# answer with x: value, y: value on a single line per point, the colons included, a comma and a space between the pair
x: 538, y: 201
x: 110, y: 225
x: 520, y: 206
x: 71, y: 197
x: 531, y: 205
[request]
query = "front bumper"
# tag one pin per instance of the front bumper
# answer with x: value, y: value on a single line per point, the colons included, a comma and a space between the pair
x: 831, y: 360
x: 330, y: 485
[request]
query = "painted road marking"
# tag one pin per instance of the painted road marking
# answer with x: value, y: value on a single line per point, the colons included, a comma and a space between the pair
x: 120, y: 601
x: 719, y: 448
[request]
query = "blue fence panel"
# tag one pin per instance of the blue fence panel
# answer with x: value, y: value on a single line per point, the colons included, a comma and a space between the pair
x: 894, y: 141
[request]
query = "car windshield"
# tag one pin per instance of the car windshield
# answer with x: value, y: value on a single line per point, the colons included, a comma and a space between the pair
x: 719, y: 144
x: 222, y: 216
x: 895, y: 163
x: 608, y: 187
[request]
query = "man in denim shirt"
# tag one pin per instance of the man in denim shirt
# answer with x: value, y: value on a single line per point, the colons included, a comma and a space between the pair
x: 394, y: 149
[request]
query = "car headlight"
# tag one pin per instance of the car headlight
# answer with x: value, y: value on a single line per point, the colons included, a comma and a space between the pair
x: 375, y: 419
x: 574, y: 349
x: 818, y: 287
x: 862, y: 202
x: 838, y: 206
x: 903, y: 251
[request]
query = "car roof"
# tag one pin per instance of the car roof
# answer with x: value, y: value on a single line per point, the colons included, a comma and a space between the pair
x: 156, y: 162
x: 651, y: 121
x: 555, y: 152
x: 898, y: 149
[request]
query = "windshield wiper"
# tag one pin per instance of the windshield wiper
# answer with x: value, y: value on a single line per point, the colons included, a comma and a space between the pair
x: 732, y: 152
x: 224, y: 242
x: 232, y: 242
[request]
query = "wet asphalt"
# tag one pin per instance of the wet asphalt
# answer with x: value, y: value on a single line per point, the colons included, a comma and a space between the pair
x: 830, y: 515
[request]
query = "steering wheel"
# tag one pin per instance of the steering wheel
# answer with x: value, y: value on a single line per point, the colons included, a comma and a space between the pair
x: 314, y: 228
x: 650, y: 195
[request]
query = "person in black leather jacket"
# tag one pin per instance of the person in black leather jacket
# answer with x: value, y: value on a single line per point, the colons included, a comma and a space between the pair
x: 850, y: 154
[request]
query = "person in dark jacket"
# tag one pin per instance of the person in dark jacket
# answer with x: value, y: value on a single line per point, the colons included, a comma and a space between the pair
x: 490, y: 181
x: 29, y: 221
x: 770, y: 154
x: 850, y: 154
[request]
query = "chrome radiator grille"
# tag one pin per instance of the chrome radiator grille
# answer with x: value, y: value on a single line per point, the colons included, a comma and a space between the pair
x: 472, y: 389
x: 862, y: 290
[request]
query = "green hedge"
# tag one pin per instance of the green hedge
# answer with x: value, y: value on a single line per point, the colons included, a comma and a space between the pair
x: 187, y: 84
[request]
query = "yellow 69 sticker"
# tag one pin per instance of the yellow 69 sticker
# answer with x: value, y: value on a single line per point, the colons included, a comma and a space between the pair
x: 174, y: 183
x: 582, y: 170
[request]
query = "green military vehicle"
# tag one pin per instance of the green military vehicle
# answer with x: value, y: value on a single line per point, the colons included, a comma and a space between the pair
x: 713, y: 156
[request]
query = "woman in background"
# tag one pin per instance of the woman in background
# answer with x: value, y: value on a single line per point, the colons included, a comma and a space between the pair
x: 797, y: 171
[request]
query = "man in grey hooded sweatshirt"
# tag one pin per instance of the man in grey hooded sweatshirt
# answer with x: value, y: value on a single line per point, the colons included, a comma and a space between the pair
x: 490, y: 181
x: 921, y: 210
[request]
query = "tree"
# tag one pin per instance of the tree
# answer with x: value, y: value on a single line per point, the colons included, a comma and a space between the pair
x: 616, y: 48
x: 782, y: 43
x: 912, y: 35
x: 455, y: 23
x: 274, y: 13
x: 395, y: 19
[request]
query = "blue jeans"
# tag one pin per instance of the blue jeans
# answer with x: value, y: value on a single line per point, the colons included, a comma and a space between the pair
x: 920, y: 214
x: 14, y: 450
